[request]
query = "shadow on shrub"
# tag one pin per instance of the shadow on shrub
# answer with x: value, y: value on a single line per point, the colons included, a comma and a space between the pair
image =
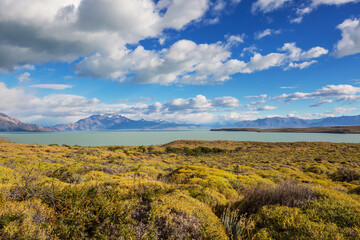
x: 290, y: 194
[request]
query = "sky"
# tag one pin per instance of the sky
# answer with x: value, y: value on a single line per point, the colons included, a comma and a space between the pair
x: 198, y: 61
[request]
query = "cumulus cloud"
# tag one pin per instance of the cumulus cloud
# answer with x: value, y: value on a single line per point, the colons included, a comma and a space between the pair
x: 268, y: 5
x: 236, y: 116
x: 186, y: 62
x: 97, y: 33
x: 69, y: 29
x: 226, y: 102
x: 296, y: 53
x: 16, y: 102
x: 350, y: 42
x: 61, y: 108
x: 52, y: 86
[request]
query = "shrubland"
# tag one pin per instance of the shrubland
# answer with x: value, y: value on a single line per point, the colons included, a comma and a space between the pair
x: 181, y: 190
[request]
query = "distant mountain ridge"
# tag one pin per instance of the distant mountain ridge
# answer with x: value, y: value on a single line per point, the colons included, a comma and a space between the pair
x: 291, y: 122
x: 9, y: 124
x: 117, y: 122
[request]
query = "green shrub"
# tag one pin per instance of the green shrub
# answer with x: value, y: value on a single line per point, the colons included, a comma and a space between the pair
x: 281, y: 222
x: 318, y: 169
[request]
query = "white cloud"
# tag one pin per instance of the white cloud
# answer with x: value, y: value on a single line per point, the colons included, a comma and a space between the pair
x: 287, y: 87
x: 343, y: 110
x: 62, y: 108
x: 268, y: 5
x: 266, y: 32
x: 70, y: 29
x: 265, y: 108
x: 52, y: 86
x: 24, y: 77
x: 181, y: 12
x: 16, y: 102
x: 304, y: 10
x: 260, y: 96
x: 98, y: 31
x: 332, y: 2
x: 226, y: 102
x: 321, y: 103
x: 236, y: 116
x: 312, y: 115
x: 341, y: 92
x: 235, y: 39
x: 186, y: 62
x: 349, y: 98
x: 350, y: 42
x: 259, y: 62
x: 196, y: 104
x: 297, y: 54
x: 302, y: 65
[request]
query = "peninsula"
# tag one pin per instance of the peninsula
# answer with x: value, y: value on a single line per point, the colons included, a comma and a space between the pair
x: 336, y: 129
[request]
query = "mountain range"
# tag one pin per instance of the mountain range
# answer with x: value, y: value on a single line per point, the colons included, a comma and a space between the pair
x: 9, y: 124
x: 291, y: 122
x: 119, y: 122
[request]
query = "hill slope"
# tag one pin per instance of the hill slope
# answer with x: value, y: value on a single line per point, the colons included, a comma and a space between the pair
x: 8, y: 124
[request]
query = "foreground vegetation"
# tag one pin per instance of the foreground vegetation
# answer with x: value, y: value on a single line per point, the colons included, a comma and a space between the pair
x: 182, y: 190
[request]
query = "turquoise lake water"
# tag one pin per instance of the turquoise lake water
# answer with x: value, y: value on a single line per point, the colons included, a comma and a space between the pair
x: 136, y: 138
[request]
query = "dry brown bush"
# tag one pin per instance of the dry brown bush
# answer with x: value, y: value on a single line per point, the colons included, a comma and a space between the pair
x: 290, y: 194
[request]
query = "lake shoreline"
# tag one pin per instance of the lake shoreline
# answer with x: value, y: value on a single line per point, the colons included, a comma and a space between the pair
x: 145, y: 138
x: 335, y: 130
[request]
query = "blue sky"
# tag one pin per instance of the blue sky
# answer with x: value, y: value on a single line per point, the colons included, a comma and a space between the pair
x: 199, y: 61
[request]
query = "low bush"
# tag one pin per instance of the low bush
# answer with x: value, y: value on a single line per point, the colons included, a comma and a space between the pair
x: 237, y: 227
x: 114, y: 148
x: 355, y: 190
x: 346, y: 175
x: 290, y: 194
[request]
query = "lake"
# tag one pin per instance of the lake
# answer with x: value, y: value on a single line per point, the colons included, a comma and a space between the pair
x: 136, y: 138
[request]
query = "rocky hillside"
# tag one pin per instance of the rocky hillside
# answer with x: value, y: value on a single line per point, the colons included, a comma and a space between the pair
x: 8, y: 124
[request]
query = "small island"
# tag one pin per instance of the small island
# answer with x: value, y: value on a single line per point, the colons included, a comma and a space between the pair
x: 336, y: 129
